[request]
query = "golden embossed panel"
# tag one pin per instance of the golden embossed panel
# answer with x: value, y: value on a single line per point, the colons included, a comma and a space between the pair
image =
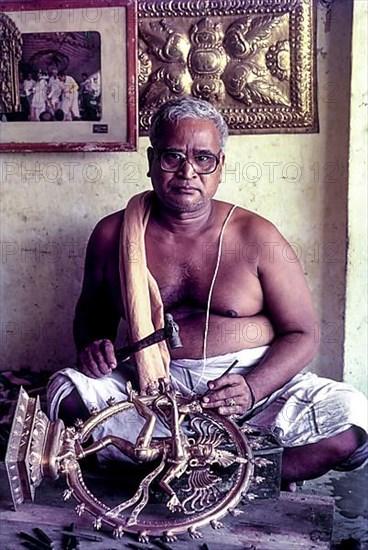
x: 253, y: 59
x: 11, y: 52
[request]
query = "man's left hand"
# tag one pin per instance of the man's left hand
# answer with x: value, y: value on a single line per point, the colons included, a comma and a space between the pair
x: 229, y: 394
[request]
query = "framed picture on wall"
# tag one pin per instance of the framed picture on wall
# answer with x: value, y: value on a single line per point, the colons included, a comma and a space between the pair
x: 69, y: 76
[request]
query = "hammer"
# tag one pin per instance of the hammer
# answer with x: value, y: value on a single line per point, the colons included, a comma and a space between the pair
x: 170, y: 332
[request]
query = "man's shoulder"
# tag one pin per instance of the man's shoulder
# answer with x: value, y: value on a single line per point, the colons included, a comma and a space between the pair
x: 108, y: 228
x: 251, y: 224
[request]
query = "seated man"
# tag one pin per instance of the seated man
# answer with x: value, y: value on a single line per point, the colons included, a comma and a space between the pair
x: 255, y: 308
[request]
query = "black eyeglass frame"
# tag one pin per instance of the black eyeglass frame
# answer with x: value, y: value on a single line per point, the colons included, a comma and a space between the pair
x: 186, y: 159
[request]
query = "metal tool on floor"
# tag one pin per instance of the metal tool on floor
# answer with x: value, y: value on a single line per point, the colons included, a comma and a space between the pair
x: 80, y: 534
x: 70, y: 539
x: 40, y: 540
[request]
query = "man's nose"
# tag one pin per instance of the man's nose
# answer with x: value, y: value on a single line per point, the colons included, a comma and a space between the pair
x: 187, y: 169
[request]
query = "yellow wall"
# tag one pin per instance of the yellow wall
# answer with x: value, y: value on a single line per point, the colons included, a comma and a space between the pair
x: 50, y: 203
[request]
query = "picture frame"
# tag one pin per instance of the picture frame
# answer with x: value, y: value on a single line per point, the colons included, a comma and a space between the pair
x: 81, y: 57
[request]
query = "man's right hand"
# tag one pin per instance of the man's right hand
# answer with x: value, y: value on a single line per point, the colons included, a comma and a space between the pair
x: 97, y: 359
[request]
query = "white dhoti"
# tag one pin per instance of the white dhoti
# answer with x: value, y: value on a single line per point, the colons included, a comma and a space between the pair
x: 306, y: 410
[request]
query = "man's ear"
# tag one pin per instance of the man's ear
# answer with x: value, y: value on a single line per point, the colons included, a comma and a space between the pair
x: 222, y: 159
x: 222, y: 164
x: 150, y: 155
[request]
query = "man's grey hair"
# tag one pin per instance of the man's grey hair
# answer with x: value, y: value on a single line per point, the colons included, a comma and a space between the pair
x: 187, y: 107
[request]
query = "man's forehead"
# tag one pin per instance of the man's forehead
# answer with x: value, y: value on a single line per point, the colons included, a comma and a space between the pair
x: 201, y: 133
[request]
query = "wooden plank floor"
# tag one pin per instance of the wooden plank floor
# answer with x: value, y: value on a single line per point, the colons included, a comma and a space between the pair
x: 293, y: 522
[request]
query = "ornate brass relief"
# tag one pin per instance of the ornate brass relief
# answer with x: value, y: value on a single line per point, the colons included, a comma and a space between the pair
x: 254, y: 60
x: 11, y: 52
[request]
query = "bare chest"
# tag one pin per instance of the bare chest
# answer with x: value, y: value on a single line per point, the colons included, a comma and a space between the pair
x: 186, y: 270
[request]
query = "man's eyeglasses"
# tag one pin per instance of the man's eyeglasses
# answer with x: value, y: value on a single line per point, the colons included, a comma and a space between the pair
x: 202, y: 163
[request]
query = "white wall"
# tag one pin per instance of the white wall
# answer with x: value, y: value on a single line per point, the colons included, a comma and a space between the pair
x: 50, y: 203
x: 356, y: 352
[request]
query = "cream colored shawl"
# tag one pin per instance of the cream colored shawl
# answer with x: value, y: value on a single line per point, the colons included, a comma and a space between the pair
x: 141, y: 296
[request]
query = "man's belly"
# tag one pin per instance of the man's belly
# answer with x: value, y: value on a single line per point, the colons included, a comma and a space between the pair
x: 220, y: 334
